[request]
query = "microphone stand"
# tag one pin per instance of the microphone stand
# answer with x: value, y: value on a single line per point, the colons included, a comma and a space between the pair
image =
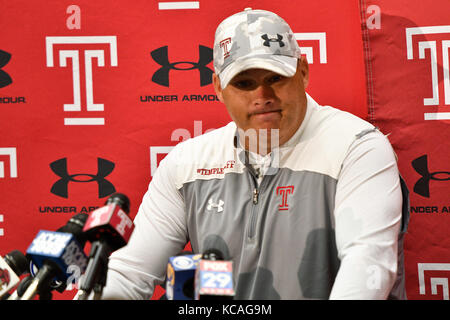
x: 100, y: 280
x: 95, y: 275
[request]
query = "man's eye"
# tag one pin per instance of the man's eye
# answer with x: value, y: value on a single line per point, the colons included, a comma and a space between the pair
x: 242, y: 84
x: 275, y: 78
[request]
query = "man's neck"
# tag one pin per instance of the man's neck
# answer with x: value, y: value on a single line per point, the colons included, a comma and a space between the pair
x: 259, y: 141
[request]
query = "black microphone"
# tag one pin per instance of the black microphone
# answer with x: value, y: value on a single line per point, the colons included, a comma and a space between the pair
x: 12, y: 266
x: 75, y: 226
x: 213, y: 255
x: 21, y: 288
x: 214, y: 277
x: 55, y: 254
x: 108, y: 229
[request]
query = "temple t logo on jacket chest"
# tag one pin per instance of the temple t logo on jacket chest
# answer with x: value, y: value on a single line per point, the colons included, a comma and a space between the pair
x: 283, y: 193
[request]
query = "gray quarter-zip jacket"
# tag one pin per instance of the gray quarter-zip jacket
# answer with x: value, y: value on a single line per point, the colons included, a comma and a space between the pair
x: 325, y: 221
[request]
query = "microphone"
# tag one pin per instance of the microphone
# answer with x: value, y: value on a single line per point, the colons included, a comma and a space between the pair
x: 21, y: 288
x: 55, y: 254
x: 12, y: 266
x: 108, y: 229
x: 214, y: 277
x: 180, y: 276
x: 75, y: 226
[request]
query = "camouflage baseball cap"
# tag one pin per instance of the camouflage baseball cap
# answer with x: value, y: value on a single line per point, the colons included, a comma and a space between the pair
x: 254, y: 39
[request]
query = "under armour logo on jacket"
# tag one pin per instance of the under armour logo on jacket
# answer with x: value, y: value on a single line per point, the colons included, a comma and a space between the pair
x: 218, y: 206
x: 161, y: 56
x: 268, y: 40
x: 5, y: 79
x: 104, y: 168
x: 422, y: 186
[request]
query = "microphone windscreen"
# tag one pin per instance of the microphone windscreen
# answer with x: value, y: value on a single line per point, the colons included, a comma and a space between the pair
x: 216, y: 242
x: 212, y: 254
x: 75, y: 226
x: 23, y: 285
x: 121, y: 200
x: 17, y: 261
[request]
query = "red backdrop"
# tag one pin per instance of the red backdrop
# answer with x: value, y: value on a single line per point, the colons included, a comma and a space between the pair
x: 409, y: 98
x: 94, y: 94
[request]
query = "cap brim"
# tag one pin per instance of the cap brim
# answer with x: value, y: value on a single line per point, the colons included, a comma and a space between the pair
x: 283, y: 65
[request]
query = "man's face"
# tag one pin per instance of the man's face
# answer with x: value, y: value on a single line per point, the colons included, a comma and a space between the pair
x: 262, y: 99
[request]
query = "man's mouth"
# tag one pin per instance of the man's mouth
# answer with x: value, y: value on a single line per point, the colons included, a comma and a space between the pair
x: 266, y: 115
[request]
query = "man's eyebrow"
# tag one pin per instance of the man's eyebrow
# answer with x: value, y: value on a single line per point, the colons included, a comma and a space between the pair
x: 242, y: 73
x: 247, y: 72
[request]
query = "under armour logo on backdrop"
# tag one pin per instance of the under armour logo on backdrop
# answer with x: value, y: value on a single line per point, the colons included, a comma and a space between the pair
x: 5, y: 79
x: 422, y: 186
x: 269, y: 40
x: 60, y: 187
x: 218, y: 206
x: 161, y: 56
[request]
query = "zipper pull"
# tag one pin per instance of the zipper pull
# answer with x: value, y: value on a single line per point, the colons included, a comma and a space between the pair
x: 255, y: 195
x: 257, y: 172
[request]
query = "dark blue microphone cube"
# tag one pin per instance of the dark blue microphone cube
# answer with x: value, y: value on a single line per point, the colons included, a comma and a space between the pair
x: 62, y: 249
x: 180, y: 270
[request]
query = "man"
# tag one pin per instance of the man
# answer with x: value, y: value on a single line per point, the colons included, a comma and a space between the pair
x: 305, y: 200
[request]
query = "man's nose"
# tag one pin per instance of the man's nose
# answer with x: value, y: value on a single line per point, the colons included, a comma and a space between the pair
x: 264, y: 95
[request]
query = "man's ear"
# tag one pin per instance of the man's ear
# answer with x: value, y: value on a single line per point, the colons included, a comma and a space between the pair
x: 304, y: 69
x: 217, y: 87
